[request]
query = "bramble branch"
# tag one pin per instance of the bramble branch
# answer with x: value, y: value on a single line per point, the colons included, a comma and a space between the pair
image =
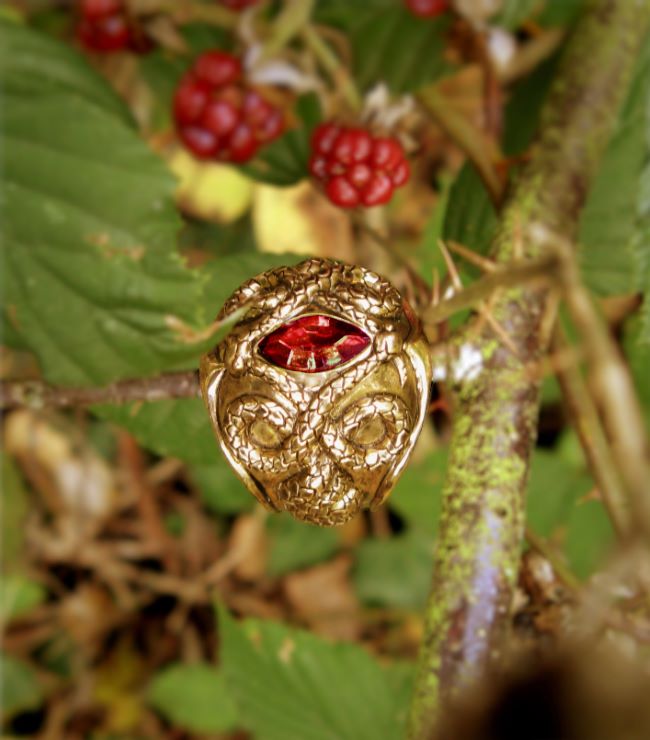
x: 515, y: 274
x: 496, y: 407
x: 584, y: 417
x: 36, y: 394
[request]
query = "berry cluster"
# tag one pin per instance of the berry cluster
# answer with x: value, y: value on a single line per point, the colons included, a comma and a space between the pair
x: 218, y: 116
x: 427, y: 8
x: 105, y: 26
x: 355, y: 167
x: 237, y: 5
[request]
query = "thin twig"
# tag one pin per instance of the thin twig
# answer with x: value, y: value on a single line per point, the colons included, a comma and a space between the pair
x: 36, y: 394
x: 478, y: 260
x: 332, y: 65
x: 613, y: 387
x: 154, y: 533
x: 512, y: 275
x: 585, y: 419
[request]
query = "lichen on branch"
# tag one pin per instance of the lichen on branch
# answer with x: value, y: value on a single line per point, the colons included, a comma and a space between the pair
x: 496, y: 409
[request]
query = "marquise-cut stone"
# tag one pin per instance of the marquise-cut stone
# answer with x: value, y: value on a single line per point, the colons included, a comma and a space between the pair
x: 313, y: 344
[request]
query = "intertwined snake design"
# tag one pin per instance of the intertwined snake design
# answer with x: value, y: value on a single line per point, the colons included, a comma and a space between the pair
x: 316, y: 448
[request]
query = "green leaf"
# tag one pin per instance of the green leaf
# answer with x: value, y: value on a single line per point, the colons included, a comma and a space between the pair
x: 524, y: 108
x: 194, y: 697
x: 19, y: 688
x: 235, y: 239
x: 292, y: 685
x: 295, y: 545
x: 285, y: 161
x: 91, y: 269
x: 221, y: 490
x: 34, y: 64
x: 610, y: 220
x: 556, y: 505
x: 470, y: 218
x: 390, y: 44
x: 394, y: 572
x: 171, y: 428
x: 555, y: 486
x: 417, y: 494
x: 425, y: 254
x: 225, y: 274
x: 162, y: 72
x: 589, y: 538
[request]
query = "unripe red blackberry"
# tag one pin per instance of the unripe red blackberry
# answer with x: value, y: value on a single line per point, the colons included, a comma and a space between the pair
x: 237, y: 5
x: 356, y: 168
x: 217, y: 116
x: 427, y: 8
x: 104, y: 26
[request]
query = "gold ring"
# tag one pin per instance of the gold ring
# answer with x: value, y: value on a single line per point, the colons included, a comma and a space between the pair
x: 318, y: 394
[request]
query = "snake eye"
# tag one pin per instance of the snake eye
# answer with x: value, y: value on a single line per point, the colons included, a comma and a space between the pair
x: 369, y: 434
x: 265, y: 435
x: 313, y: 344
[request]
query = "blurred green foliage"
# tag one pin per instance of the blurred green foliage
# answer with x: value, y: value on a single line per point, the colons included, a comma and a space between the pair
x: 93, y: 273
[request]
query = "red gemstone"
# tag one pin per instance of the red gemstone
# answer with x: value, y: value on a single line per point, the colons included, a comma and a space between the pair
x: 313, y: 344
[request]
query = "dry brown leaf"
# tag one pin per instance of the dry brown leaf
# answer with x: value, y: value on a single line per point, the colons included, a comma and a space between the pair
x: 87, y: 614
x: 74, y: 481
x: 248, y: 547
x: 324, y: 599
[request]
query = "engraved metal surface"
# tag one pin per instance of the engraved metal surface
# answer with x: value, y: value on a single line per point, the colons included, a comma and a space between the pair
x: 323, y: 445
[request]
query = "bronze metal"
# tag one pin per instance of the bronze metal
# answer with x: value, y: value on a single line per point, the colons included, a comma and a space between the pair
x: 323, y: 445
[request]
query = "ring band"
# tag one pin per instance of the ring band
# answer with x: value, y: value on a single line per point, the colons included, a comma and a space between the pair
x: 318, y: 394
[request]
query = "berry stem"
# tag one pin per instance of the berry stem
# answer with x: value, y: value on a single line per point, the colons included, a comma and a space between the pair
x: 293, y: 18
x: 332, y: 65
